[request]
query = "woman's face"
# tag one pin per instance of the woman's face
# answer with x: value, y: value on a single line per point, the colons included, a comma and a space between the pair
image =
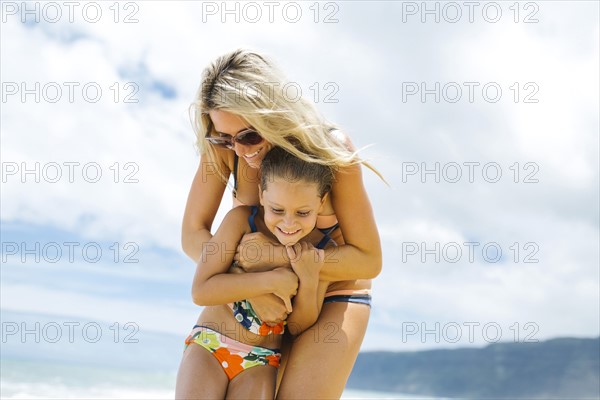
x: 231, y: 124
x: 290, y: 208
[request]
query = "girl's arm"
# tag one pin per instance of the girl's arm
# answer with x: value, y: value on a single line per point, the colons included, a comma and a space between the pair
x: 202, y: 204
x: 212, y: 284
x: 307, y: 306
x: 307, y: 262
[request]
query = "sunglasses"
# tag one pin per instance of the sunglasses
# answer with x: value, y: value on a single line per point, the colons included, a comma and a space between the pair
x: 247, y: 137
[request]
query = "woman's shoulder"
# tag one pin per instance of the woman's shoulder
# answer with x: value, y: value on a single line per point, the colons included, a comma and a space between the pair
x: 220, y: 157
x: 338, y: 134
x: 341, y: 137
x: 226, y: 157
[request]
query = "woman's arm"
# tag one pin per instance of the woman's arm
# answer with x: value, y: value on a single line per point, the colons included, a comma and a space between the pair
x: 212, y: 284
x: 360, y: 256
x: 202, y: 204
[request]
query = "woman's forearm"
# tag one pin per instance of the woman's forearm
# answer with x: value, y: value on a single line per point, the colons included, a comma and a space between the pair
x: 347, y: 262
x: 192, y: 243
x: 342, y: 263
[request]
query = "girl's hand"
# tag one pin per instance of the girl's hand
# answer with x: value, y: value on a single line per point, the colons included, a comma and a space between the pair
x: 306, y: 261
x: 257, y: 253
x: 285, y: 285
x: 269, y: 308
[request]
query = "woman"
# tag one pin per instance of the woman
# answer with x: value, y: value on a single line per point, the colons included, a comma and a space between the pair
x: 241, y: 113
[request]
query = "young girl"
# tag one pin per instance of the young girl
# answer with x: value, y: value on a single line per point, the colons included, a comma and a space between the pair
x: 240, y: 352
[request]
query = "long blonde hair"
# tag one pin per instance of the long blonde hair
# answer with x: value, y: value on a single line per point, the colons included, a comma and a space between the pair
x: 249, y: 85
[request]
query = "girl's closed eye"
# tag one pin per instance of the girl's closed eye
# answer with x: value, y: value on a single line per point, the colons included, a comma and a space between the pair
x: 303, y: 213
x: 276, y: 210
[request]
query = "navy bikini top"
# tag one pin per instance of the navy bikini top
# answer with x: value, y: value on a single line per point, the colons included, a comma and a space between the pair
x: 235, y: 168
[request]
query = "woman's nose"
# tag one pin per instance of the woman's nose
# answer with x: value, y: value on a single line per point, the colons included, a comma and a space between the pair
x: 240, y: 149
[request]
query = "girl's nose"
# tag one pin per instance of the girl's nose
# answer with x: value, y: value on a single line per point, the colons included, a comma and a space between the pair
x: 288, y: 220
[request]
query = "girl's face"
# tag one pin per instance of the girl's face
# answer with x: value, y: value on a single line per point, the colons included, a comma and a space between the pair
x: 290, y: 208
x: 231, y: 124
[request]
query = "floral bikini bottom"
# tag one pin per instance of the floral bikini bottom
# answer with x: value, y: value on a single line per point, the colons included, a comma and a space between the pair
x: 233, y: 356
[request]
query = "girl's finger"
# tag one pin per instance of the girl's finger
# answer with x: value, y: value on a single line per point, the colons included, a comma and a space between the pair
x: 291, y: 252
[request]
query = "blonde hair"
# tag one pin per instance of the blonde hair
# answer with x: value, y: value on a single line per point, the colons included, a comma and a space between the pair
x: 249, y: 85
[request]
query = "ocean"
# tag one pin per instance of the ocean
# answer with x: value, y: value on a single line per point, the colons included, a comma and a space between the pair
x: 23, y: 379
x: 60, y: 357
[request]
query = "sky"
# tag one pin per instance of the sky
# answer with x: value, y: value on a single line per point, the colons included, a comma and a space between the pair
x: 482, y: 118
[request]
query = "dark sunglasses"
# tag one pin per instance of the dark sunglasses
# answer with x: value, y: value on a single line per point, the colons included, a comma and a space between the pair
x: 247, y: 137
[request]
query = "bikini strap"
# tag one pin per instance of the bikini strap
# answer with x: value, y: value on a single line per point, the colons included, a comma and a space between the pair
x: 235, y: 167
x: 251, y: 219
x: 323, y: 242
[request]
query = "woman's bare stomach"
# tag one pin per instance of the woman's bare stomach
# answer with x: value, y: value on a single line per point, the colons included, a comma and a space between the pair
x: 358, y: 284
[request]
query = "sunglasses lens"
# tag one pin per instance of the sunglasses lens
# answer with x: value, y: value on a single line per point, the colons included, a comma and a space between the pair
x: 249, y: 138
x: 246, y: 138
x: 220, y: 141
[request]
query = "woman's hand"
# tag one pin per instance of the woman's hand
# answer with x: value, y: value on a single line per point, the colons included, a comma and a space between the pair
x: 285, y: 285
x: 257, y: 253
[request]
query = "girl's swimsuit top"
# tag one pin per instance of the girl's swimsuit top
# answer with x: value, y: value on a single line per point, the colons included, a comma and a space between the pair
x: 242, y: 310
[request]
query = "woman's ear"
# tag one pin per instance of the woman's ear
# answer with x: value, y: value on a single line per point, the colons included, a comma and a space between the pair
x: 323, y: 201
x: 260, y: 200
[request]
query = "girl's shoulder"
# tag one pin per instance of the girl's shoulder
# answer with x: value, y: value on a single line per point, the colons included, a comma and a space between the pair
x: 239, y: 214
x: 242, y: 211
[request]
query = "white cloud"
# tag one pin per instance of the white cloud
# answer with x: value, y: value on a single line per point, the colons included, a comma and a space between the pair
x: 368, y: 54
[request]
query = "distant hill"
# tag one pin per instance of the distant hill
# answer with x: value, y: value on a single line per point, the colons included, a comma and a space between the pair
x: 555, y: 369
